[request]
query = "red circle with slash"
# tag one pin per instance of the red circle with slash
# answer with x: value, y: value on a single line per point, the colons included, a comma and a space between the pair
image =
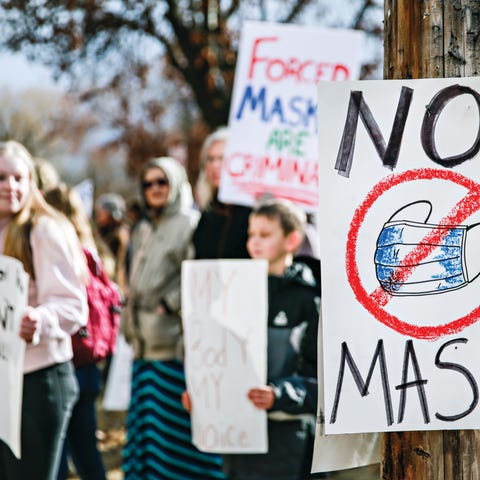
x: 375, y: 302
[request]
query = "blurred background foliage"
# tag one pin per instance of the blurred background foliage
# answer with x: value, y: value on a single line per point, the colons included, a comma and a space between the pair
x: 144, y: 77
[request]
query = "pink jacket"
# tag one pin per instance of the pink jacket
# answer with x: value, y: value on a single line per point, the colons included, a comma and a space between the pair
x: 57, y: 293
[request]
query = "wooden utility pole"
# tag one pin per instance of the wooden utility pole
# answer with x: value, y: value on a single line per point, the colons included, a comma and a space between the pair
x: 431, y: 39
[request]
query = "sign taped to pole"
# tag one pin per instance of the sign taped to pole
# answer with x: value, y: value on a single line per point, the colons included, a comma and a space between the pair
x: 400, y: 218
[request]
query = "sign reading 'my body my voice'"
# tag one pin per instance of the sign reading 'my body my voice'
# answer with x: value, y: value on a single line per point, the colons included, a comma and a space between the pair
x: 273, y: 145
x: 400, y: 228
x: 224, y: 313
x: 13, y: 300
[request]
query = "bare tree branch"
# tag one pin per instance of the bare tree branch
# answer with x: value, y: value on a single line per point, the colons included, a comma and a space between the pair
x: 296, y: 9
x: 195, y: 40
x: 357, y: 22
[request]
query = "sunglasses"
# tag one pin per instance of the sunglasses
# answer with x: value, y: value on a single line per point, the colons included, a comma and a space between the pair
x: 159, y: 182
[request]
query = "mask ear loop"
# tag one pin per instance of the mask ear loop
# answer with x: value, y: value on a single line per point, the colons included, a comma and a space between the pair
x: 417, y: 202
x: 473, y: 225
x: 470, y: 227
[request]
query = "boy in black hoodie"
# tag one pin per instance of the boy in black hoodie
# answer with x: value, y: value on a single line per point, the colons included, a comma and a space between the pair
x: 290, y: 396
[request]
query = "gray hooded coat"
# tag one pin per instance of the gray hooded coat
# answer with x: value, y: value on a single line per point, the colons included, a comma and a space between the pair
x: 159, y: 244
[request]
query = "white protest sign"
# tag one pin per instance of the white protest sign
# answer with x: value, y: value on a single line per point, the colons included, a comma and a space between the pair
x: 13, y: 301
x: 85, y: 189
x: 224, y: 311
x: 272, y: 146
x: 340, y: 451
x: 400, y: 225
x: 119, y: 380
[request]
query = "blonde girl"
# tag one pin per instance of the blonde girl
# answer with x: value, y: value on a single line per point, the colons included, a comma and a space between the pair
x: 45, y: 242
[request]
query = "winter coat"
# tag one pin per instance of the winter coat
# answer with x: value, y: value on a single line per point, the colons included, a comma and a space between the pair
x: 57, y: 293
x: 152, y: 322
x: 293, y: 314
x: 222, y: 232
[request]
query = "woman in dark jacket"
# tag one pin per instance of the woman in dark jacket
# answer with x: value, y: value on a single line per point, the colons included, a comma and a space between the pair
x: 223, y: 229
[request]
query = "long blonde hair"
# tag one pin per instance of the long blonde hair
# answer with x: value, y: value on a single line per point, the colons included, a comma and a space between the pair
x: 204, y: 192
x: 17, y: 237
x: 66, y: 200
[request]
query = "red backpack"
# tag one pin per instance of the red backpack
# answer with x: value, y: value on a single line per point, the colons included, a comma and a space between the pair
x: 97, y: 339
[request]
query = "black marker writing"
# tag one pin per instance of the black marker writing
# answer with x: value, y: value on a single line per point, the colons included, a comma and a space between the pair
x: 432, y: 114
x: 418, y: 383
x: 389, y: 153
x: 6, y: 316
x: 362, y: 385
x: 466, y: 373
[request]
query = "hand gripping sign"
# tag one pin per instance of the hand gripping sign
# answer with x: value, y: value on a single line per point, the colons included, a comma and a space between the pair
x: 442, y: 267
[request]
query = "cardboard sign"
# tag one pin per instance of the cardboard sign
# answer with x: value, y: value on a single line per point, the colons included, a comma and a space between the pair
x: 272, y: 145
x: 399, y: 225
x: 13, y: 301
x: 224, y: 311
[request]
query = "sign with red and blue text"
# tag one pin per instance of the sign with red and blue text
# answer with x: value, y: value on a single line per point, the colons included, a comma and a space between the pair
x: 273, y: 146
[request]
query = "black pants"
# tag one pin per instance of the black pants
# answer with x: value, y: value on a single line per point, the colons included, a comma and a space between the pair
x: 288, y: 457
x: 81, y: 442
x: 48, y: 397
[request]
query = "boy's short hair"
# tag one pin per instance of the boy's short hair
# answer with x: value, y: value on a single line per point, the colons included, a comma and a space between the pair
x: 290, y: 216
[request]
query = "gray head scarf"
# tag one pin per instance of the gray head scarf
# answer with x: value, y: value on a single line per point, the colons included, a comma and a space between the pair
x: 180, y: 193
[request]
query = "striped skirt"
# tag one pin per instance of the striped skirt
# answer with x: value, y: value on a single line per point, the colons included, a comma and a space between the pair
x: 159, y: 442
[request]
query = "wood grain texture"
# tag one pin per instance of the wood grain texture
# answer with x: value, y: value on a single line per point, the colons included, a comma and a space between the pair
x: 431, y: 39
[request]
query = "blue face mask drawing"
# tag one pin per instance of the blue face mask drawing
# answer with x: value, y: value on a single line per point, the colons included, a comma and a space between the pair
x: 442, y: 270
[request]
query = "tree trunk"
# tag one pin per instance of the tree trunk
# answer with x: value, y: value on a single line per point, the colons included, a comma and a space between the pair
x: 431, y: 39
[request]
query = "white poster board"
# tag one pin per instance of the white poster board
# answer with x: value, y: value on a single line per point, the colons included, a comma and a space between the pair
x: 224, y: 312
x: 340, y: 451
x: 85, y: 189
x: 13, y: 301
x: 119, y: 380
x: 272, y: 146
x: 399, y: 226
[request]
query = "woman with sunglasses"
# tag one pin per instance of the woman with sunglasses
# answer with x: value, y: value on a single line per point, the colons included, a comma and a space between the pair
x: 158, y: 428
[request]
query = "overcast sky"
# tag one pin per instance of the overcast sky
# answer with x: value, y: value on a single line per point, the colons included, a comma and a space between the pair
x: 17, y: 73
